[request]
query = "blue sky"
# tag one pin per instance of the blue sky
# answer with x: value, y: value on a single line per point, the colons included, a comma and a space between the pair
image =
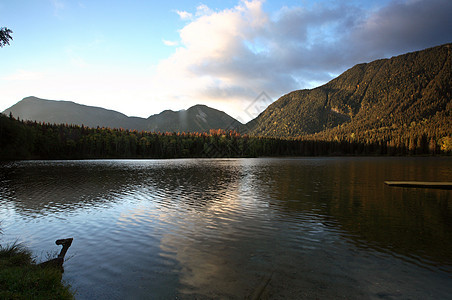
x: 141, y: 57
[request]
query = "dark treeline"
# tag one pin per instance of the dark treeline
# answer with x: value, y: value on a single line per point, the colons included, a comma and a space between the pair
x: 431, y: 136
x: 33, y: 140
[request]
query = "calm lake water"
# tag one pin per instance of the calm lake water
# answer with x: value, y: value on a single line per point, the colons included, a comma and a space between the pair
x: 226, y: 228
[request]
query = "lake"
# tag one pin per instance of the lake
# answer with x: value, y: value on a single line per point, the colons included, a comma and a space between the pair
x: 300, y: 228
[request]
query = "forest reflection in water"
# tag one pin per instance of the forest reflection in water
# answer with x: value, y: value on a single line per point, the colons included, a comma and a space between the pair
x: 213, y: 228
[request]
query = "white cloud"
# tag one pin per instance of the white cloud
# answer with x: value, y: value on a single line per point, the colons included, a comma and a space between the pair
x: 184, y: 15
x: 58, y: 4
x: 242, y: 52
x: 170, y: 43
x: 58, y: 7
x: 203, y: 10
x: 207, y: 68
x: 226, y: 58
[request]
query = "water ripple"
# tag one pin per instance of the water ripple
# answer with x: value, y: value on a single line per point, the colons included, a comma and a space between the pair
x: 218, y: 228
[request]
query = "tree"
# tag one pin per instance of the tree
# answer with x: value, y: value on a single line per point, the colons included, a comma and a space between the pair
x: 5, y: 36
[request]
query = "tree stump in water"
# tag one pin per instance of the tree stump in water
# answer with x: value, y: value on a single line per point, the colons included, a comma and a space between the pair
x: 59, y: 260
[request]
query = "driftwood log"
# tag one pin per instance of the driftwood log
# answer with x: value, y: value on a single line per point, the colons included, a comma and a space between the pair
x: 59, y: 260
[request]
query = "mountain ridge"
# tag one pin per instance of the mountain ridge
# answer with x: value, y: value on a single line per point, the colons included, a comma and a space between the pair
x: 405, y: 95
x: 392, y: 92
x: 198, y: 118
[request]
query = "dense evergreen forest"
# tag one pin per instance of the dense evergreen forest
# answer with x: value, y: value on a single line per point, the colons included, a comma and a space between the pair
x: 33, y: 140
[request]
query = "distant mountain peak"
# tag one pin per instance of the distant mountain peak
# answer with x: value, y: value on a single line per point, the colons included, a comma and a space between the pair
x: 197, y: 118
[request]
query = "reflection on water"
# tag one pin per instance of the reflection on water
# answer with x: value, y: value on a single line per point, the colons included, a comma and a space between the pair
x: 220, y: 228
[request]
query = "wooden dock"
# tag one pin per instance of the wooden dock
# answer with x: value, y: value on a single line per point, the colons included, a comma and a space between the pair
x: 421, y: 184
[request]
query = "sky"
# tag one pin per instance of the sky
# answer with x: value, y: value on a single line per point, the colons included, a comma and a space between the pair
x: 141, y: 57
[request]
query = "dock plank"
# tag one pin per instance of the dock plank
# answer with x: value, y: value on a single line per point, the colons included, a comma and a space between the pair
x: 421, y: 184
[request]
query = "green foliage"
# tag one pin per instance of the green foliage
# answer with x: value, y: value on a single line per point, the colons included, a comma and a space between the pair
x: 21, y: 278
x: 5, y: 36
x: 14, y: 255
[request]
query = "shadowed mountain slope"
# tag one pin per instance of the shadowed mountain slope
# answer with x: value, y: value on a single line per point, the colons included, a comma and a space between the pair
x: 199, y: 118
x: 384, y: 95
x: 62, y: 112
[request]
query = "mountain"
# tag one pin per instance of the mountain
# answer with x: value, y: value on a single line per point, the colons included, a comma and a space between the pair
x: 405, y: 97
x: 404, y: 93
x: 67, y: 112
x: 198, y: 118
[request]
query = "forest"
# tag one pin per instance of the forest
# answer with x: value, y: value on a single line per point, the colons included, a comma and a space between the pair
x: 33, y: 140
x: 401, y: 102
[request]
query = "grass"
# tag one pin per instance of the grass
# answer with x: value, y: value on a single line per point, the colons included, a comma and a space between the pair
x: 22, y: 278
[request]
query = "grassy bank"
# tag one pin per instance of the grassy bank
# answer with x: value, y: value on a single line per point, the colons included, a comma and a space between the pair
x: 22, y: 278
